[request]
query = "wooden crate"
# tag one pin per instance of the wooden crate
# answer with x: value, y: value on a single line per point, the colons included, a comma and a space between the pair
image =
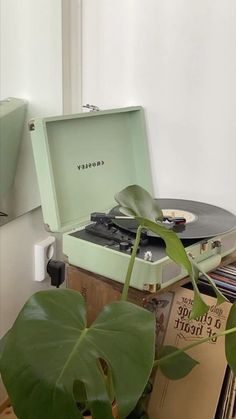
x: 99, y: 291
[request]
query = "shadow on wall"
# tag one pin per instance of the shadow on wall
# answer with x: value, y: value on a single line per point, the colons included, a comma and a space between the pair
x: 12, y: 120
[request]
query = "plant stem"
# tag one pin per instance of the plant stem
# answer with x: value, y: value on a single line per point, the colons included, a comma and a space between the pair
x: 199, y: 342
x: 131, y: 264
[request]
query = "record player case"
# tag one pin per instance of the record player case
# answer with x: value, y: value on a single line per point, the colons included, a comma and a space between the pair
x: 82, y: 161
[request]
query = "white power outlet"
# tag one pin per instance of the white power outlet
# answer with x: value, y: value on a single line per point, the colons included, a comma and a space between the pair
x: 43, y: 252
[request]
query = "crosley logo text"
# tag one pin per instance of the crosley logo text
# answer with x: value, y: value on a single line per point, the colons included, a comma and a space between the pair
x: 90, y: 165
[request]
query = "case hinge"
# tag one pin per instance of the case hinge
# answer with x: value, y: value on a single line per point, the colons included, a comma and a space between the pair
x: 91, y: 108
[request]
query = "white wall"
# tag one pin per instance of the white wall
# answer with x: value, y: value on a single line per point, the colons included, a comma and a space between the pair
x: 17, y: 270
x: 31, y: 68
x: 178, y: 60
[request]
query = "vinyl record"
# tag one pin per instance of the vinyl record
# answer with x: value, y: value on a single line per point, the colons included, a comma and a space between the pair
x: 202, y: 220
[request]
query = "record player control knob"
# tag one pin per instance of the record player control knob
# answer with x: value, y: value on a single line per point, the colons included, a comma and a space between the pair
x: 131, y: 249
x: 216, y: 244
x: 124, y: 246
x: 148, y: 255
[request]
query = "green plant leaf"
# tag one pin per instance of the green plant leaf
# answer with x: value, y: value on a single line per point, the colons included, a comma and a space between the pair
x: 79, y: 393
x: 174, y: 247
x: 177, y: 366
x: 136, y: 201
x: 49, y: 347
x: 230, y: 340
x: 176, y: 251
x: 199, y: 306
x: 3, y: 341
x: 220, y: 297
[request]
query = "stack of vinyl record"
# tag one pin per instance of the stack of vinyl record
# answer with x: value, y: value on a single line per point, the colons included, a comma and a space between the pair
x: 225, y: 279
x: 226, y: 408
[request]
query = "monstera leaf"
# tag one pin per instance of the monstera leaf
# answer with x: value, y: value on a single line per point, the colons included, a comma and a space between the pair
x: 50, y: 352
x: 176, y: 251
x: 230, y: 339
x: 175, y: 367
x: 136, y: 201
x: 220, y: 297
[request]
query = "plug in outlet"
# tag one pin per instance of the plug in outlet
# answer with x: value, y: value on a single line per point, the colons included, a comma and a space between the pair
x: 43, y: 252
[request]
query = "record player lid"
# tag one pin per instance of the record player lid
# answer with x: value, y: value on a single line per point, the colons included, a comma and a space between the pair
x: 82, y: 160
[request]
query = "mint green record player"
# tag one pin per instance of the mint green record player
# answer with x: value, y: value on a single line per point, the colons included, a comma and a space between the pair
x: 82, y: 161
